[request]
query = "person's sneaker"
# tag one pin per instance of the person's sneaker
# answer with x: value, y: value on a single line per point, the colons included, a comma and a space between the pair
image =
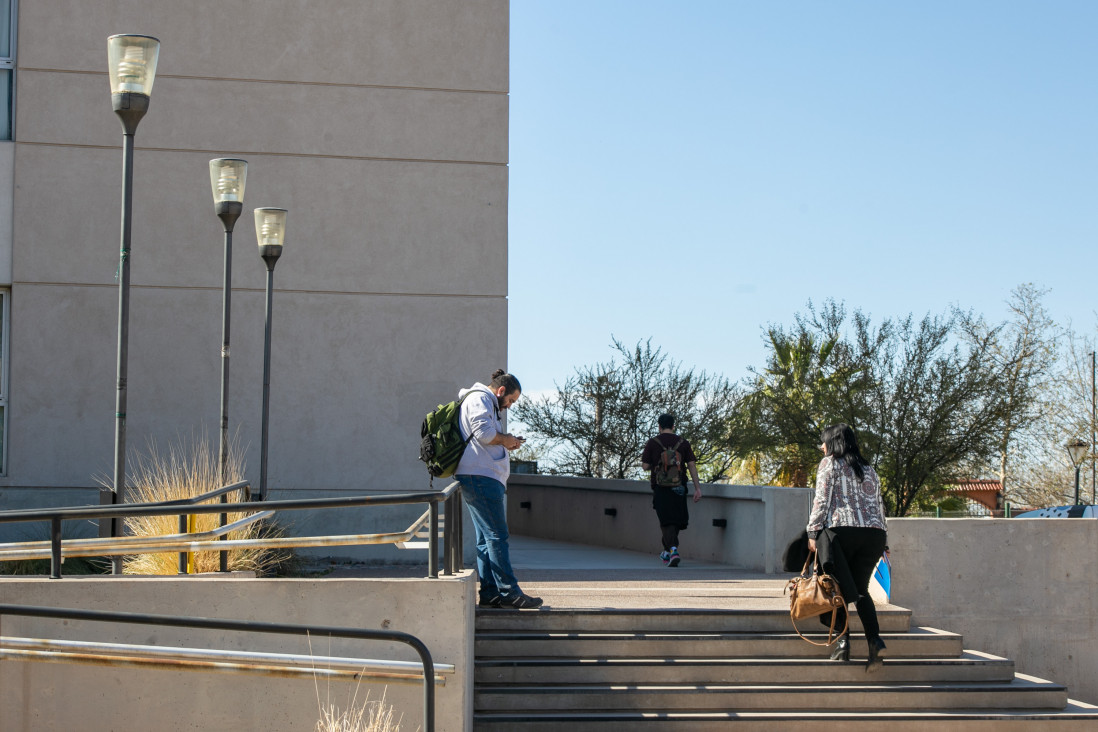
x: 666, y: 557
x: 491, y: 601
x: 521, y: 602
x: 673, y: 561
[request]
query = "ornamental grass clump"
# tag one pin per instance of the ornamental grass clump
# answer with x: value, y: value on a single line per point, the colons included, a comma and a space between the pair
x: 369, y: 716
x: 190, y: 469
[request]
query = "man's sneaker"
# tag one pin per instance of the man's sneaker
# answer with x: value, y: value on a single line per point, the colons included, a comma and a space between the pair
x: 491, y: 601
x: 521, y: 602
x: 674, y: 559
x: 666, y: 557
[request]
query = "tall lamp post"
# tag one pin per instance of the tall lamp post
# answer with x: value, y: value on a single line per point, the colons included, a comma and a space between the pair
x: 1077, y: 449
x: 227, y: 179
x: 132, y: 67
x: 270, y: 231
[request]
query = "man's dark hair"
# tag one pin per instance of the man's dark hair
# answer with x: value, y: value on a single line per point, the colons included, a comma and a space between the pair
x: 506, y: 380
x: 667, y: 421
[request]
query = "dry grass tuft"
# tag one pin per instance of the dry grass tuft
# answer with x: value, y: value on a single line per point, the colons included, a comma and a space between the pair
x: 376, y: 716
x: 190, y: 469
x: 365, y: 717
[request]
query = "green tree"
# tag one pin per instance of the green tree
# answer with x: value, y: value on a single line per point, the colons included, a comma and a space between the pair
x: 599, y: 420
x: 927, y: 404
x: 810, y: 381
x: 933, y: 406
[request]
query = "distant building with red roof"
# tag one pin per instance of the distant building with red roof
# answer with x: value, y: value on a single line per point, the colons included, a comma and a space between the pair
x: 985, y: 497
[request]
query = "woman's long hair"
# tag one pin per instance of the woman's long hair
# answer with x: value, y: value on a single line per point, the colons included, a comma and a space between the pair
x: 842, y: 444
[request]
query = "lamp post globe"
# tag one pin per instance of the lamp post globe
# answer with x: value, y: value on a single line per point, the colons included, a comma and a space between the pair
x: 270, y: 233
x: 1077, y: 450
x: 131, y: 66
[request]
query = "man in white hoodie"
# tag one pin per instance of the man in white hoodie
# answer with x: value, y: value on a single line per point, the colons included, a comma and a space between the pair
x: 483, y: 472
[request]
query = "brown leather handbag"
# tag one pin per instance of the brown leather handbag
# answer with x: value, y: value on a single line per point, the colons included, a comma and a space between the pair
x: 813, y: 594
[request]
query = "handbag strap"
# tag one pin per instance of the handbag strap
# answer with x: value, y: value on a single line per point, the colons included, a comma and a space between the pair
x: 816, y: 566
x: 831, y: 635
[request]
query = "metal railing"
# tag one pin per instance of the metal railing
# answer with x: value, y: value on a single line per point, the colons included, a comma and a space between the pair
x: 426, y: 665
x: 183, y: 542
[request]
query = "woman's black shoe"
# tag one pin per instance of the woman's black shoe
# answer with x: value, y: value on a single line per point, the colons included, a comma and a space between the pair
x: 841, y: 651
x: 875, y: 647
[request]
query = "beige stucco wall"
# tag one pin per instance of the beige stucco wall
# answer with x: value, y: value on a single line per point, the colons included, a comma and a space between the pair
x: 1026, y: 589
x: 760, y: 521
x: 381, y: 126
x: 53, y: 696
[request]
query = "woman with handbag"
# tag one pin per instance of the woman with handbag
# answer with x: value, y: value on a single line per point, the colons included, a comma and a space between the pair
x: 847, y: 526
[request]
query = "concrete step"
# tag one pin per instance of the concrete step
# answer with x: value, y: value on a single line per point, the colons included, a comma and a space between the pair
x: 971, y: 666
x: 1074, y: 717
x: 1021, y: 693
x: 892, y: 618
x: 917, y: 643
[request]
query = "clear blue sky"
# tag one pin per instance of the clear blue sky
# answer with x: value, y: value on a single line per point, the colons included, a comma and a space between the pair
x: 694, y: 170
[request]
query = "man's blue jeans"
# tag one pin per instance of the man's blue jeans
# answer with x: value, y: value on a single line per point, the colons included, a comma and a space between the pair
x: 484, y: 497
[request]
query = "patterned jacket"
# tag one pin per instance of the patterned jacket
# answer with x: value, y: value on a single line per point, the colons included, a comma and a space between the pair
x: 851, y: 503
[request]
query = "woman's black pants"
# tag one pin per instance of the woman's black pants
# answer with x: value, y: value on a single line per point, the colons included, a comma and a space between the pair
x: 862, y: 547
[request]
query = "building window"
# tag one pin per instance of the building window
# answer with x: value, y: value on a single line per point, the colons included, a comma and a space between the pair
x: 5, y: 310
x: 7, y: 66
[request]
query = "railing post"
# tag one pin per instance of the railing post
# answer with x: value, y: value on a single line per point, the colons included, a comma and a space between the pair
x: 223, y: 561
x: 182, y: 555
x: 448, y: 537
x: 459, y: 515
x: 432, y: 543
x: 55, y: 547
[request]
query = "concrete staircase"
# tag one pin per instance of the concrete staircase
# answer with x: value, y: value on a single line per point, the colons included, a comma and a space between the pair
x: 598, y: 670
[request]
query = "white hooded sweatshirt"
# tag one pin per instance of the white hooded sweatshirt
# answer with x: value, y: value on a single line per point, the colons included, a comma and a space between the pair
x: 480, y: 418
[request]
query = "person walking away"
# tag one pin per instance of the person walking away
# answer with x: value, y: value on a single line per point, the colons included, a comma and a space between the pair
x: 847, y: 527
x: 482, y: 473
x: 667, y: 457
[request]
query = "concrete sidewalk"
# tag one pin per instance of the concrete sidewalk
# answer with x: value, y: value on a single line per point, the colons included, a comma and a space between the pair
x: 582, y: 576
x: 570, y: 575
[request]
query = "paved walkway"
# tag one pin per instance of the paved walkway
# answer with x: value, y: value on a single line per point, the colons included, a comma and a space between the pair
x: 581, y: 576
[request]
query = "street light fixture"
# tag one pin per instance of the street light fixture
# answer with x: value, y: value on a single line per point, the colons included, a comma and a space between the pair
x: 132, y: 68
x: 227, y: 179
x: 1077, y: 449
x: 270, y: 232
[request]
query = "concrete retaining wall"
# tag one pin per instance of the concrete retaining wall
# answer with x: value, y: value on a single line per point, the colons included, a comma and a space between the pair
x: 51, y: 696
x: 1026, y: 589
x: 760, y: 520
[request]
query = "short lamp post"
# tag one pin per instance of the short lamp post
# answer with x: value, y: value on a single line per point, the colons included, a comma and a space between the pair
x: 1077, y: 449
x: 132, y: 68
x: 270, y: 232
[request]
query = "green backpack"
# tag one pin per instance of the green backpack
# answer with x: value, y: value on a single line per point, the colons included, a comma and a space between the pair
x: 442, y: 445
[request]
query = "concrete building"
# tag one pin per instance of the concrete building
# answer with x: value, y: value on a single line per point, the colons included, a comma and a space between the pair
x: 381, y: 125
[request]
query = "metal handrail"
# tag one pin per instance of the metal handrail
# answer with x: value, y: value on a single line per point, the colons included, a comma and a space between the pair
x: 184, y: 543
x: 179, y: 621
x: 109, y: 545
x: 208, y: 659
x: 451, y: 496
x: 242, y: 485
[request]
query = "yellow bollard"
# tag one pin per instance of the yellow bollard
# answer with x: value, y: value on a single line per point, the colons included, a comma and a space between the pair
x: 192, y: 526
